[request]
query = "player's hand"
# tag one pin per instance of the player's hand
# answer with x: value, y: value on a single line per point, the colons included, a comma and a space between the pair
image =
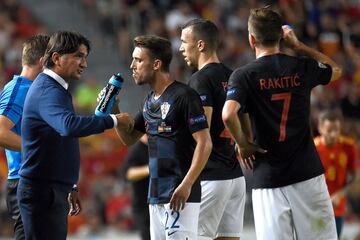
x: 179, y: 197
x: 115, y: 106
x: 336, y: 198
x: 246, y: 154
x: 74, y: 203
x: 125, y: 122
x: 289, y: 37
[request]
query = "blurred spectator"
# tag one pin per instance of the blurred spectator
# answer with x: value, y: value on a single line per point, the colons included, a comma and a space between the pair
x: 86, y: 94
x: 137, y: 172
x: 339, y: 156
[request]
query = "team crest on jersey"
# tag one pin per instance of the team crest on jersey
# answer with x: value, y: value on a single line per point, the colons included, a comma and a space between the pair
x: 165, y: 107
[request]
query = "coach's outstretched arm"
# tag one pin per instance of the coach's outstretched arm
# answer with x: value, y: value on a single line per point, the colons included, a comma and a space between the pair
x: 292, y: 42
x: 125, y: 129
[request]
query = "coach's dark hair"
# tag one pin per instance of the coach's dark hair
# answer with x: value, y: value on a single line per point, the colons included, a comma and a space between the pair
x: 159, y: 48
x: 266, y: 25
x: 33, y: 49
x: 329, y: 115
x: 204, y: 30
x: 64, y: 42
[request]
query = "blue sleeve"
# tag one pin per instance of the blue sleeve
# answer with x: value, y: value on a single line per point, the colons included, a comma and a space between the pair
x: 57, y: 110
x: 12, y: 103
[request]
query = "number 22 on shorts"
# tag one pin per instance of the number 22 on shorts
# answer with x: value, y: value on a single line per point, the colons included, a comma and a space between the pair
x: 170, y: 225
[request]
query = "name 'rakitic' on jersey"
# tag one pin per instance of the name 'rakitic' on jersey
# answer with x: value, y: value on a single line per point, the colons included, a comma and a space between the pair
x: 280, y: 82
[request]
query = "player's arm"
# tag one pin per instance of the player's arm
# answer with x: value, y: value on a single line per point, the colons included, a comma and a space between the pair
x: 291, y: 41
x: 201, y: 155
x: 240, y: 132
x: 353, y: 171
x: 354, y: 188
x: 208, y: 113
x: 8, y: 139
x: 125, y: 129
x: 137, y: 173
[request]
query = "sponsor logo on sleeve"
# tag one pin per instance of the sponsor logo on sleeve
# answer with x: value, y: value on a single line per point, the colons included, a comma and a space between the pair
x: 198, y: 119
x: 203, y: 98
x: 230, y: 92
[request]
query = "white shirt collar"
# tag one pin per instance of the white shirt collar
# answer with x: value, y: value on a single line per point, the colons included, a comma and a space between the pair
x: 55, y: 76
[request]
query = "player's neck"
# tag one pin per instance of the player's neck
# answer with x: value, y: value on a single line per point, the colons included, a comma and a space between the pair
x: 162, y: 81
x: 266, y: 51
x: 205, y: 59
x: 30, y: 72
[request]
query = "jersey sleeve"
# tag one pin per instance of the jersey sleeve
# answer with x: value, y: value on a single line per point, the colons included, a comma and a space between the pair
x: 11, y: 110
x: 202, y: 86
x: 193, y: 111
x: 320, y: 72
x: 11, y: 104
x: 237, y: 89
x: 139, y: 122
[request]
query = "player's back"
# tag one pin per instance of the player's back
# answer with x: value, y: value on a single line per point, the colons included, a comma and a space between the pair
x: 275, y: 90
x: 211, y: 84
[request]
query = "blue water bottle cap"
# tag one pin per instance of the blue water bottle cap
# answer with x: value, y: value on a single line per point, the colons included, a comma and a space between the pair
x: 117, y: 80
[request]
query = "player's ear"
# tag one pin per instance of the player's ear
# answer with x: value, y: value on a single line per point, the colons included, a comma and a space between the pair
x: 201, y: 45
x: 157, y: 64
x: 252, y: 40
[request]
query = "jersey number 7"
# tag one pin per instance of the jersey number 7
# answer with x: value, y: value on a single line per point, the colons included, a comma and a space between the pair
x: 286, y: 97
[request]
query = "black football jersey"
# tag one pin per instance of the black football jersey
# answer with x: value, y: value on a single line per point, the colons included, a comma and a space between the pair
x: 170, y: 122
x: 275, y: 90
x: 211, y: 83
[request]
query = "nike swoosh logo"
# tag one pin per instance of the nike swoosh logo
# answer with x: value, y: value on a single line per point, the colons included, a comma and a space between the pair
x: 171, y: 233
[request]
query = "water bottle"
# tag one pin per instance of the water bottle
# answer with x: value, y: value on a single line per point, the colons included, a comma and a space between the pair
x: 111, y: 91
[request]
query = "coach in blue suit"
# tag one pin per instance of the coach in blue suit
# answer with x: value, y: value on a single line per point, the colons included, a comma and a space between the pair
x: 50, y: 130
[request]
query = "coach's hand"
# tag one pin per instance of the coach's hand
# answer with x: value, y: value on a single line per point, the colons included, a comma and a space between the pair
x: 74, y: 203
x: 179, y: 197
x: 125, y: 122
x: 245, y: 154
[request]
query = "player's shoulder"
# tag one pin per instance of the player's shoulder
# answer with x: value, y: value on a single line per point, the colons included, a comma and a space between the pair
x: 180, y: 89
x: 345, y: 140
x: 211, y: 70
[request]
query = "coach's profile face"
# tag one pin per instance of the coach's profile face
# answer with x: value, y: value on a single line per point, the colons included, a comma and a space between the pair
x: 71, y: 65
x: 142, y: 66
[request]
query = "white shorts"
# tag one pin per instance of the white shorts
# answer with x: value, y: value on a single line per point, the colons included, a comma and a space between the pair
x: 302, y: 210
x: 168, y: 225
x: 222, y: 208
